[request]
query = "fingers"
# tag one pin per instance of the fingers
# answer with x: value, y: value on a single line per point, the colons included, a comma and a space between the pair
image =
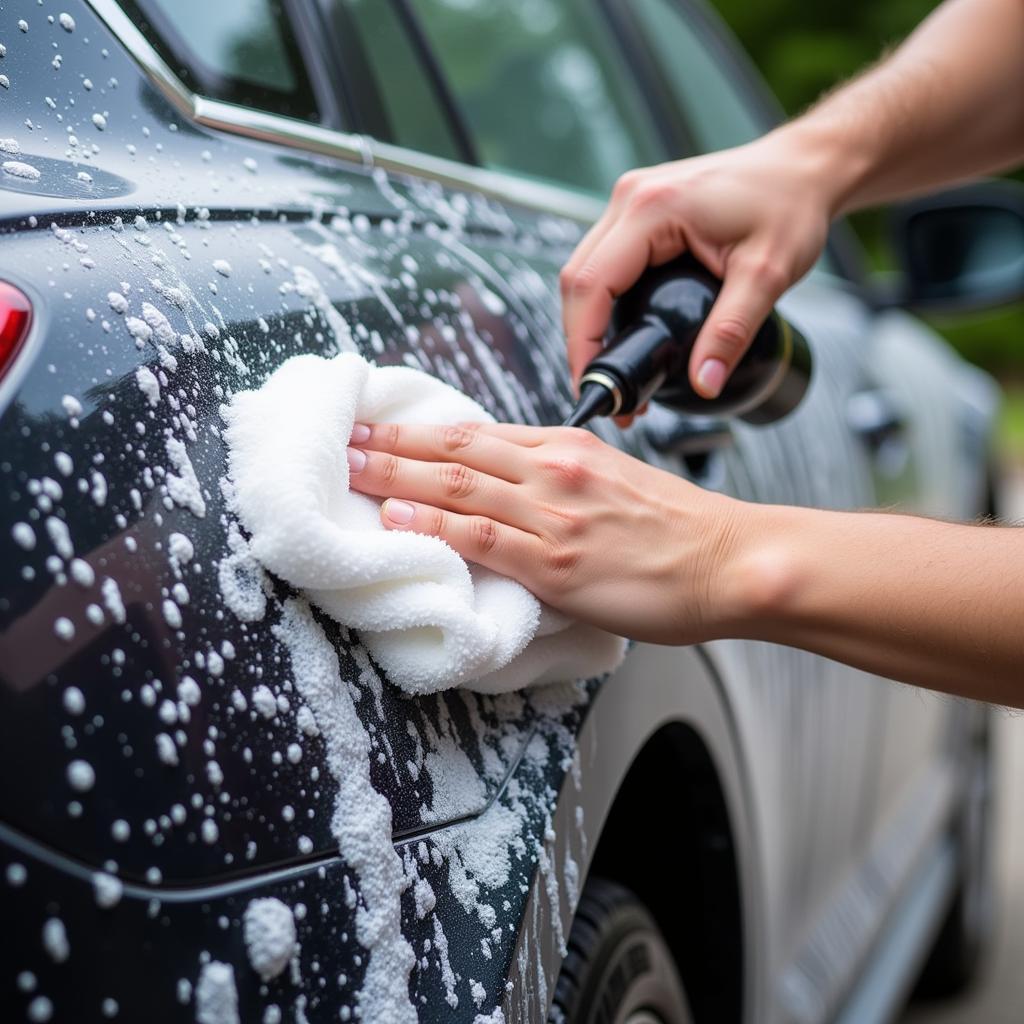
x: 748, y: 294
x: 489, y: 453
x: 449, y: 485
x: 478, y: 539
x: 591, y: 287
x: 644, y: 236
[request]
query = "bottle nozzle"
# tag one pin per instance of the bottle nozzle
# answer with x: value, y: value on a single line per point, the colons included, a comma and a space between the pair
x: 596, y: 399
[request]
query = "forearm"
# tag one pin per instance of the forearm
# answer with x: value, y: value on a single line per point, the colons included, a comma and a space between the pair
x: 937, y: 604
x: 948, y: 104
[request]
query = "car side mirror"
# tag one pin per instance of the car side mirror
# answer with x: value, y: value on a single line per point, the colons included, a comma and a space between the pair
x: 960, y: 250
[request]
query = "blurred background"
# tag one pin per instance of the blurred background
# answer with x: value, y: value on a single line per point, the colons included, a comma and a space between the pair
x: 802, y: 50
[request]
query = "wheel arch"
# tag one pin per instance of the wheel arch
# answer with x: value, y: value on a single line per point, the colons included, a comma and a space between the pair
x: 659, y: 733
x: 681, y: 863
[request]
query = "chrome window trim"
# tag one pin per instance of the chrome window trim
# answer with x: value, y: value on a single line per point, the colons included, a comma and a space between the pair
x: 358, y: 149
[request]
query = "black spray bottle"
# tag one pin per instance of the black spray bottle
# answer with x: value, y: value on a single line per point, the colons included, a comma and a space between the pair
x: 654, y: 327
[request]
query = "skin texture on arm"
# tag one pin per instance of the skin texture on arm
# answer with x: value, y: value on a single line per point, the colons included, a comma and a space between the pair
x: 932, y: 603
x: 614, y: 542
x: 947, y: 104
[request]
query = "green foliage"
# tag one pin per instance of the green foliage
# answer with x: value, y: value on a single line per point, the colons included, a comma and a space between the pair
x: 804, y: 49
x: 1011, y: 426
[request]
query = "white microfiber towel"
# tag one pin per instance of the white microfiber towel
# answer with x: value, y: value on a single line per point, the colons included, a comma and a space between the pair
x: 431, y: 620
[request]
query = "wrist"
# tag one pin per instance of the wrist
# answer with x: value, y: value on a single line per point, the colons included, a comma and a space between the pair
x: 833, y: 162
x: 760, y: 574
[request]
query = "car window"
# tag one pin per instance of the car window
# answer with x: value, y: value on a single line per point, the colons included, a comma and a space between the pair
x: 714, y: 107
x: 411, y: 104
x: 716, y: 112
x: 242, y: 51
x: 543, y: 89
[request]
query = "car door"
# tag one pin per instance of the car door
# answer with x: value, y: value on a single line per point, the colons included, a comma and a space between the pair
x: 848, y: 759
x: 813, y: 728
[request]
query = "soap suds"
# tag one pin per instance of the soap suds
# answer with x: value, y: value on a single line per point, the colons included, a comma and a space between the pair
x: 82, y: 572
x: 361, y: 822
x: 74, y: 700
x: 40, y: 1010
x: 184, y: 488
x: 496, y: 1016
x: 112, y: 599
x: 241, y: 579
x: 216, y: 995
x: 81, y: 776
x: 19, y: 169
x: 180, y: 548
x: 264, y: 702
x: 55, y: 940
x: 269, y: 932
x: 24, y: 535
x: 107, y: 889
x: 148, y: 385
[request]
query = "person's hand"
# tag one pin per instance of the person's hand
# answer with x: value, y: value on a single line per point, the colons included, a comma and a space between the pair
x: 591, y: 531
x: 756, y: 216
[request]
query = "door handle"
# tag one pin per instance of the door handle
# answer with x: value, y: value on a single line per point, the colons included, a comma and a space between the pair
x: 875, y: 417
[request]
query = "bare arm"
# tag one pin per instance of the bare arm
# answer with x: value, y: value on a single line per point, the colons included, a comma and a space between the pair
x: 947, y: 104
x: 932, y: 603
x: 612, y: 541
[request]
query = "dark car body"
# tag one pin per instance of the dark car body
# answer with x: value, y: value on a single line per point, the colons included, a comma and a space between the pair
x: 779, y: 813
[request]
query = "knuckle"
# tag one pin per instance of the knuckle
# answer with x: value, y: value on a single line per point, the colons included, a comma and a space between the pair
x: 566, y: 277
x: 568, y: 471
x: 731, y: 333
x: 584, y: 281
x: 561, y: 561
x: 580, y: 438
x: 652, y: 195
x: 386, y: 436
x: 437, y: 522
x: 626, y: 184
x: 388, y: 470
x: 769, y: 274
x: 483, y: 534
x: 453, y: 438
x: 457, y: 480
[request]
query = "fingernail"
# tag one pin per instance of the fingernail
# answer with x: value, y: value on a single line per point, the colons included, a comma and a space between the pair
x: 399, y: 512
x: 356, y: 460
x: 711, y: 377
x: 360, y: 433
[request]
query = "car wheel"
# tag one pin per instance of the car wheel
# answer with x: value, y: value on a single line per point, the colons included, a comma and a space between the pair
x: 618, y: 969
x: 958, y: 954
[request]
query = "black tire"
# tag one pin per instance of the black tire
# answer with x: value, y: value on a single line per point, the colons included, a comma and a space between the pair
x: 619, y: 969
x: 957, y: 958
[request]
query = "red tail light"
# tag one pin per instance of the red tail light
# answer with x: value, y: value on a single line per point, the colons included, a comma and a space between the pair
x: 15, y: 319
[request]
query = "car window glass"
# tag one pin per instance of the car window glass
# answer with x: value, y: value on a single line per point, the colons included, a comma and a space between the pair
x: 411, y: 104
x: 716, y: 112
x: 543, y: 89
x: 242, y: 51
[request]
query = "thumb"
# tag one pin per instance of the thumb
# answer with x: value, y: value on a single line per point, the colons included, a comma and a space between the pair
x: 742, y: 306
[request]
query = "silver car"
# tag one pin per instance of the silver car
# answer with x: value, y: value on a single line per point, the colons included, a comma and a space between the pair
x: 193, y: 192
